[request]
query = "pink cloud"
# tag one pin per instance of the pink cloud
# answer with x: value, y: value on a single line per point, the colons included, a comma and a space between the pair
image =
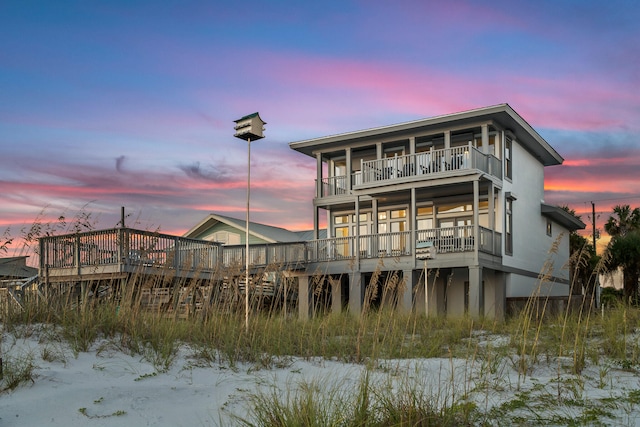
x: 562, y: 102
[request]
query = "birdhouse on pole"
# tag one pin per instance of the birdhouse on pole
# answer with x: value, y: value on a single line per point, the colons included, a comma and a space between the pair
x: 425, y: 250
x: 250, y: 128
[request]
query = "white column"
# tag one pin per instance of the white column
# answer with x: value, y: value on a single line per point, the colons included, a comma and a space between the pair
x: 304, y: 297
x: 485, y: 139
x: 348, y: 168
x: 476, y: 219
x: 476, y: 292
x: 356, y: 294
x: 405, y: 297
x: 319, y: 175
x: 336, y: 294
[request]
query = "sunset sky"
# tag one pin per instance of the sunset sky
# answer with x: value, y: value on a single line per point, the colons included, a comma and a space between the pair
x: 132, y: 103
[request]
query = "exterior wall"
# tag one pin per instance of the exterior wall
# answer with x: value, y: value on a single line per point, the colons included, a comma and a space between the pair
x: 531, y: 244
x: 210, y: 233
x: 529, y: 237
x: 561, y: 256
x: 456, y: 292
x: 494, y: 293
x: 519, y: 286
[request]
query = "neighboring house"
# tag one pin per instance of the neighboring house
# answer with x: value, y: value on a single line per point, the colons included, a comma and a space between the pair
x: 16, y: 268
x: 614, y: 279
x: 466, y: 188
x: 15, y: 274
x: 232, y: 231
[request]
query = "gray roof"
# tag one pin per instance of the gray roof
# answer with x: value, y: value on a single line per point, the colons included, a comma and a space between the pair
x: 502, y: 114
x: 307, y: 235
x: 15, y: 267
x: 562, y: 217
x: 266, y: 232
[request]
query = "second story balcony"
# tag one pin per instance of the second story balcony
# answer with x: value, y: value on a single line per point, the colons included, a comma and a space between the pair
x: 412, y: 167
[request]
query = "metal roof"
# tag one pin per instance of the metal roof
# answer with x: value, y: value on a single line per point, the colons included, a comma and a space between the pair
x: 562, y: 217
x: 265, y: 232
x: 502, y: 114
x: 15, y: 267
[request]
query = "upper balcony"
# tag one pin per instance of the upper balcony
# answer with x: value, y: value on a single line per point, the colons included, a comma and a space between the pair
x: 412, y: 168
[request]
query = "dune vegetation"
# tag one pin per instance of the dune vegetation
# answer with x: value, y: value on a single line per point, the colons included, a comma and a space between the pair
x: 575, y: 367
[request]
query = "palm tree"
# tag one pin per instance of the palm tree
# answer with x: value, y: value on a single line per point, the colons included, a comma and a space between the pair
x: 627, y: 220
x: 625, y: 247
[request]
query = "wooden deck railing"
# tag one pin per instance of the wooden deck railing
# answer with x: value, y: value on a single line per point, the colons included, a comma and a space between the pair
x: 128, y: 249
x: 125, y: 246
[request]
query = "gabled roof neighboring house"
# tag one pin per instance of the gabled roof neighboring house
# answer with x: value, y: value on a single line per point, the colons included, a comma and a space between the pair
x: 232, y: 231
x: 307, y: 235
x: 16, y: 268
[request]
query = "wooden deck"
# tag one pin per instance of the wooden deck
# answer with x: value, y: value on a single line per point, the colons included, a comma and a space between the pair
x: 183, y: 276
x: 118, y: 252
x: 121, y: 252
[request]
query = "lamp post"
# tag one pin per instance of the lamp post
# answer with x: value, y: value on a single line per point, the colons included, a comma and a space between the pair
x: 249, y: 128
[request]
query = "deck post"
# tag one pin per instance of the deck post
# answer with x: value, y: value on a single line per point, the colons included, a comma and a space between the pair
x: 476, y: 291
x: 494, y: 293
x: 336, y: 293
x: 356, y: 292
x: 76, y: 255
x: 406, y: 291
x: 304, y: 297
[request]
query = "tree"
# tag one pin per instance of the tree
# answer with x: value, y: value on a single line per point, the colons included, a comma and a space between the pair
x: 624, y: 247
x: 625, y: 254
x: 627, y: 220
x: 582, y: 261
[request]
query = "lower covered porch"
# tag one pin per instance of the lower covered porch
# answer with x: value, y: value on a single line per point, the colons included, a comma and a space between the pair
x: 453, y: 291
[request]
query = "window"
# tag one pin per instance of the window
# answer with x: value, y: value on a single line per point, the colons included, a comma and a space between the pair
x: 493, y: 138
x: 399, y: 214
x: 226, y: 238
x: 425, y: 218
x: 508, y: 167
x: 549, y: 228
x: 342, y: 231
x: 460, y: 207
x: 364, y: 217
x: 339, y: 167
x: 345, y: 221
x: 483, y: 213
x: 341, y: 219
x: 392, y: 152
x: 342, y: 246
x: 508, y: 237
x: 364, y: 230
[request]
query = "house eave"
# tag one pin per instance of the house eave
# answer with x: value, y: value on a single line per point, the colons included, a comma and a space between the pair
x: 562, y: 217
x: 501, y: 114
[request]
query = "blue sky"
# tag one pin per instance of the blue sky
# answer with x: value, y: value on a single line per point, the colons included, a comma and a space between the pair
x: 109, y: 104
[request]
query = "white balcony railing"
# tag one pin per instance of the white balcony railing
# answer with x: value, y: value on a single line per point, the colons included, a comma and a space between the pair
x: 424, y: 163
x: 419, y: 165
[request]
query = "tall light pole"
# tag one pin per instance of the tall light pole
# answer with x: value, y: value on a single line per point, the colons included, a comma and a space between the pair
x: 249, y: 128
